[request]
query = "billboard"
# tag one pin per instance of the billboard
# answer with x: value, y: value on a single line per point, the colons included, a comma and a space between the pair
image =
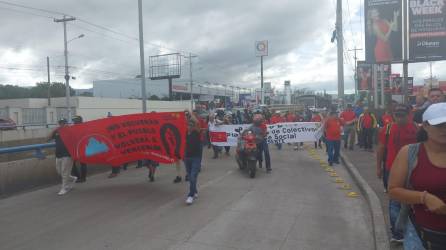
x: 261, y: 48
x: 383, y: 31
x: 427, y: 30
x: 364, y: 76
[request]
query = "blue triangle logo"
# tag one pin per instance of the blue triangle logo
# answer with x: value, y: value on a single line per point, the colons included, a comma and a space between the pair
x: 95, y: 147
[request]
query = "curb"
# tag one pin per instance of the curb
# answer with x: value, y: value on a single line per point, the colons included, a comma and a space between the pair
x: 380, y: 235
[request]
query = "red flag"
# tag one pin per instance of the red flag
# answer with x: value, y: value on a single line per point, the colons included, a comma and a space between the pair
x: 121, y: 139
x: 218, y: 136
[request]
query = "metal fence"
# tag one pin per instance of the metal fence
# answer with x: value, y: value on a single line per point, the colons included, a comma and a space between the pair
x: 34, y: 116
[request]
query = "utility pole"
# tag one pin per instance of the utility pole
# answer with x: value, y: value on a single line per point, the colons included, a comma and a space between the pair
x: 340, y: 40
x: 141, y: 58
x: 261, y: 80
x: 405, y: 53
x: 191, y: 82
x: 64, y: 20
x: 431, y: 80
x: 356, y: 70
x: 49, y: 80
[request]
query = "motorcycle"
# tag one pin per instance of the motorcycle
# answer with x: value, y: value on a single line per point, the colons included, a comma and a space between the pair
x: 246, y: 153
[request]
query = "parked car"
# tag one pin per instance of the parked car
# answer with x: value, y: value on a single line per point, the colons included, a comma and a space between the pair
x: 7, y: 124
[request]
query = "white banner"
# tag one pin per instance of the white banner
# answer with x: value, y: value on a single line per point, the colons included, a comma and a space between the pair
x: 290, y: 132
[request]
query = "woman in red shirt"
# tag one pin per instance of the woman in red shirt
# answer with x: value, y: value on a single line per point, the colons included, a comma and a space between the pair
x: 424, y: 187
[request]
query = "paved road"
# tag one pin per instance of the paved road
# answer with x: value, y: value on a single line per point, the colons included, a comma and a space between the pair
x: 298, y: 206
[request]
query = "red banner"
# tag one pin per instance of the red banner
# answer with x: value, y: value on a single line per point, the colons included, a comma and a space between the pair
x: 121, y: 139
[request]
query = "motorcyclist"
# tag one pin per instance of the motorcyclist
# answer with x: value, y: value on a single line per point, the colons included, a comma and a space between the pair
x: 259, y: 129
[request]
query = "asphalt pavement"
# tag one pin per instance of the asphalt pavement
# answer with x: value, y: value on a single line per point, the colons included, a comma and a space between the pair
x: 301, y: 205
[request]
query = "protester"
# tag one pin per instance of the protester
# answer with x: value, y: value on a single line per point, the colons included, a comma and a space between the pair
x: 366, y: 124
x: 277, y: 118
x: 358, y: 109
x: 420, y: 103
x: 260, y: 130
x: 348, y: 117
x: 213, y: 121
x: 82, y: 176
x: 151, y: 165
x: 386, y: 118
x: 290, y: 117
x: 227, y: 121
x: 418, y: 180
x: 317, y: 117
x: 192, y: 159
x: 392, y: 138
x: 178, y: 178
x: 435, y: 95
x: 64, y: 163
x: 299, y: 118
x: 332, y: 129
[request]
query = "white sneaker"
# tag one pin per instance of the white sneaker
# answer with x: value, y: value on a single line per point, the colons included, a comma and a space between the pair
x: 195, y: 196
x: 62, y: 192
x: 189, y: 200
x: 73, y: 182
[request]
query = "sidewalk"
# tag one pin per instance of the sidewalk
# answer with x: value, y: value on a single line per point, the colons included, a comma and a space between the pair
x: 365, y: 162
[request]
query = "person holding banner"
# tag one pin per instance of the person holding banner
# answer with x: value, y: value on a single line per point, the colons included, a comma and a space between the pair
x: 277, y: 118
x: 64, y: 163
x: 82, y: 176
x: 317, y: 117
x: 211, y: 124
x: 192, y: 158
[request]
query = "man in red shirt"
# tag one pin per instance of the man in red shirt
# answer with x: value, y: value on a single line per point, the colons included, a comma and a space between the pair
x: 392, y: 138
x: 387, y: 118
x: 348, y: 117
x: 332, y: 128
x: 367, y: 123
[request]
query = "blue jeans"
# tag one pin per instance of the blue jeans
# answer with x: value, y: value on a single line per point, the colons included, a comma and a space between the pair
x: 193, y: 166
x: 386, y: 175
x: 394, y: 210
x: 411, y: 239
x: 333, y: 148
x: 263, y: 148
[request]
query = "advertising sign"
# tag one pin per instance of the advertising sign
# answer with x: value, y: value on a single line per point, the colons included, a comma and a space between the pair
x: 261, y: 48
x: 364, y: 76
x: 427, y: 30
x: 383, y: 31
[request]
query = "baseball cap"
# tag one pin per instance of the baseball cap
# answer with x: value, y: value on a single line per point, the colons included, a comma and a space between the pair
x: 401, y: 109
x: 435, y: 114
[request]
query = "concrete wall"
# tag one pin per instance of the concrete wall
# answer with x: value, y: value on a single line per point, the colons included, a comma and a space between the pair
x: 18, y: 176
x: 24, y: 103
x: 22, y: 135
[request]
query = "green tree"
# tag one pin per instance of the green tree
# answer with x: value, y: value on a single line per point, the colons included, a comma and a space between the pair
x: 13, y: 92
x: 154, y: 98
x: 57, y: 89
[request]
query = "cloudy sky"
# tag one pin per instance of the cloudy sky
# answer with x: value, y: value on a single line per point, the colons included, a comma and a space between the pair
x: 221, y: 32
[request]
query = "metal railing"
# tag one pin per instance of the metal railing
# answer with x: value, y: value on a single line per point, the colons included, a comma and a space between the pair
x: 37, y: 148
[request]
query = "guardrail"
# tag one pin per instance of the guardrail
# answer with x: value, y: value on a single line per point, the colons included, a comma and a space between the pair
x: 36, y: 147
